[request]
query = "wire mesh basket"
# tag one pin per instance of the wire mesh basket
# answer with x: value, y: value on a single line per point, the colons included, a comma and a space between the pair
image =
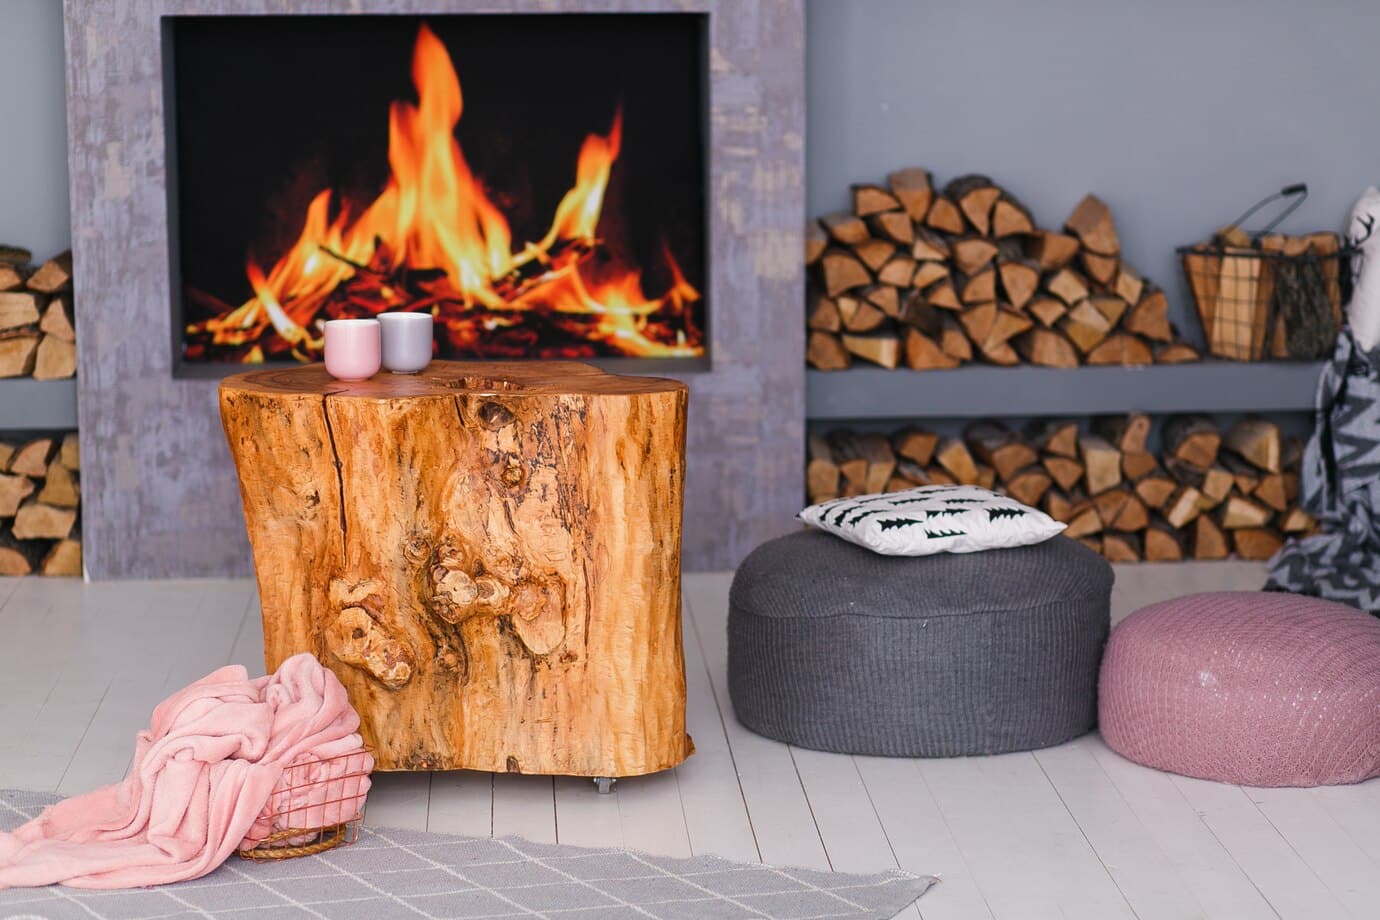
x: 1266, y: 294
x: 317, y: 805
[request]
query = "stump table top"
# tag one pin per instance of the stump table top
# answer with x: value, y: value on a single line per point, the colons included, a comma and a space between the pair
x: 449, y: 378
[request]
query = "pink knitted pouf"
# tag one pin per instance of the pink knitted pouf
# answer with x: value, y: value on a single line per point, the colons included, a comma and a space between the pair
x: 1254, y: 688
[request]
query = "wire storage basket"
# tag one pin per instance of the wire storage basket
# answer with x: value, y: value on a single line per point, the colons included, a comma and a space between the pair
x: 316, y: 806
x: 1268, y: 295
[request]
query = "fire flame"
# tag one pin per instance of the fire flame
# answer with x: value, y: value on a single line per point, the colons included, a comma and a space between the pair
x: 433, y: 240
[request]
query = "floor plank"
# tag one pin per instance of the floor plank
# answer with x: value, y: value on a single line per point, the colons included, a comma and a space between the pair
x: 1019, y: 838
x: 398, y: 800
x: 1324, y: 845
x: 1274, y: 867
x: 776, y: 803
x: 716, y: 815
x: 524, y: 806
x: 1146, y: 876
x: 461, y: 802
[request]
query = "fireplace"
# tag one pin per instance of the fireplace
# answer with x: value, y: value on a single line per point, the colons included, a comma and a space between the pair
x: 535, y: 182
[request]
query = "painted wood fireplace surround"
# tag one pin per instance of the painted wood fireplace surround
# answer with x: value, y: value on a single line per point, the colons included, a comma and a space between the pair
x: 160, y: 494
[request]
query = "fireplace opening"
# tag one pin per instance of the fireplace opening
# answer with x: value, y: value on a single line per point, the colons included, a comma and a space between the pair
x: 536, y: 182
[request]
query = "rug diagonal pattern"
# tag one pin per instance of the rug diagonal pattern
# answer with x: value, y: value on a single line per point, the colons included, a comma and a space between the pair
x: 392, y: 873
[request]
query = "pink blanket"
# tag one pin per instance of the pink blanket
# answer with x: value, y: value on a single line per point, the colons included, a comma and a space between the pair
x: 202, y: 774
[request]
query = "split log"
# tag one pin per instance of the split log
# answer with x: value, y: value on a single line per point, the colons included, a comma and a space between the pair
x: 1273, y: 491
x: 928, y: 273
x: 1127, y: 433
x: 823, y: 315
x: 1296, y: 520
x: 32, y: 458
x: 35, y: 521
x: 874, y: 253
x: 841, y: 271
x: 54, y: 275
x: 913, y: 189
x: 1029, y: 485
x: 872, y: 199
x: 1256, y: 543
x: 899, y: 271
x: 882, y: 296
x: 821, y: 472
x: 18, y: 354
x: 975, y: 195
x: 971, y: 253
x: 1085, y: 326
x: 925, y: 354
x: 1091, y: 221
x: 952, y: 454
x: 1019, y: 281
x: 1054, y: 436
x: 57, y: 319
x: 1128, y: 285
x: 929, y: 246
x: 881, y: 461
x: 845, y: 228
x: 1121, y: 547
x: 19, y: 557
x: 858, y: 314
x: 952, y: 341
x: 11, y: 279
x: 1245, y: 478
x: 977, y: 321
x: 24, y: 308
x: 1063, y: 470
x: 999, y: 447
x: 63, y: 559
x: 1209, y: 542
x: 1052, y: 250
x: 1102, y: 269
x: 1239, y: 511
x: 1164, y: 543
x: 1110, y: 306
x: 55, y: 359
x: 1057, y: 505
x: 1256, y: 441
x: 1183, y: 506
x: 883, y: 348
x: 915, y: 444
x: 1149, y: 318
x: 1083, y: 521
x: 979, y: 288
x: 1138, y: 464
x: 1176, y: 353
x: 1101, y: 462
x: 1047, y: 348
x: 1010, y: 217
x: 1120, y: 348
x: 448, y: 543
x: 60, y: 487
x: 1194, y: 439
x: 1068, y: 286
x: 945, y: 216
x: 1048, y: 310
x: 1156, y: 490
x: 826, y: 352
x: 942, y: 294
x: 893, y: 225
x: 13, y: 491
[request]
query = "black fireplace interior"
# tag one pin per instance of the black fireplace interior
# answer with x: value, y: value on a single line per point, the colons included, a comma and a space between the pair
x: 267, y: 113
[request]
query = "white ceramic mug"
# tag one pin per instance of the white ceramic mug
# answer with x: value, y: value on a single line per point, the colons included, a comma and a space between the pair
x: 406, y: 341
x: 352, y: 348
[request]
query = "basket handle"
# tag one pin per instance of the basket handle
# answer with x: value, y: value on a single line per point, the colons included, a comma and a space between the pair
x: 1298, y: 191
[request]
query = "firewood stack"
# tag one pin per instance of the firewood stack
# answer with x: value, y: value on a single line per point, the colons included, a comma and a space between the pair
x: 936, y: 279
x: 37, y: 335
x: 40, y: 492
x: 1207, y: 494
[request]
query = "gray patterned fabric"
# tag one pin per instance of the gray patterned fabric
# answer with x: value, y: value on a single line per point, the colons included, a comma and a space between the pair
x: 1340, y: 486
x: 398, y: 874
x: 834, y: 647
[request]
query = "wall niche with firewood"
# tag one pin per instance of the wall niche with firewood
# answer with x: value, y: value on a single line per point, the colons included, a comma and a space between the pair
x: 1129, y: 486
x: 40, y: 489
x: 935, y: 278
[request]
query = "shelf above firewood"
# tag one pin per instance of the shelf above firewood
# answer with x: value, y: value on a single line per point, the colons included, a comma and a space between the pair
x: 982, y: 390
x: 46, y: 405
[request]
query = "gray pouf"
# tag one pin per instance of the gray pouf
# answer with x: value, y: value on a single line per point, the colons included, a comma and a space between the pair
x: 834, y: 647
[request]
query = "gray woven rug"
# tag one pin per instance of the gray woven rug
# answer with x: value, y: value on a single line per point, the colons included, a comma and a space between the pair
x: 399, y: 874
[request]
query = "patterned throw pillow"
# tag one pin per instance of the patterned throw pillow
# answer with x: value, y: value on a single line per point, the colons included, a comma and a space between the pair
x: 932, y: 519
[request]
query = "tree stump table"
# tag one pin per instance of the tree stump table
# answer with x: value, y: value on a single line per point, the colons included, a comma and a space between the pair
x: 486, y: 554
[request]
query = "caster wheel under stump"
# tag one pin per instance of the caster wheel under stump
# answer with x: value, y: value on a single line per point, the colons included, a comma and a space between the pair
x: 604, y: 784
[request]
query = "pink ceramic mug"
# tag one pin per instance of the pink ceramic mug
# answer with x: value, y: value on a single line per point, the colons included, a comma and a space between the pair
x: 353, y: 350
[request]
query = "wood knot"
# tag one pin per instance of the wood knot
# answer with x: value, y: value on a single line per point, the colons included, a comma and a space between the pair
x: 417, y: 549
x: 357, y: 639
x: 513, y: 474
x: 453, y: 593
x: 513, y: 765
x: 494, y: 416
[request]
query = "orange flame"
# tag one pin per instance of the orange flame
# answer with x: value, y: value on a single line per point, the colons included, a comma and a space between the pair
x: 433, y: 214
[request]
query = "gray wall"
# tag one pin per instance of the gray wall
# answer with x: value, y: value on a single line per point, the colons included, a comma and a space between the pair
x: 33, y: 128
x: 1180, y: 114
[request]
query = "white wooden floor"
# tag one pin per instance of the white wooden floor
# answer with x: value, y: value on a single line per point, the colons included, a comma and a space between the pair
x: 1072, y: 831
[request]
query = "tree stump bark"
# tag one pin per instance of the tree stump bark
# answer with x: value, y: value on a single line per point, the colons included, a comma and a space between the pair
x: 486, y: 554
